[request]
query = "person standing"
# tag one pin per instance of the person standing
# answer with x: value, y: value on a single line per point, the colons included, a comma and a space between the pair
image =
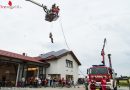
x: 63, y: 82
x: 23, y: 82
x: 86, y: 83
x: 54, y: 82
x: 103, y: 83
x: 39, y: 82
x: 93, y: 84
x: 55, y: 9
x: 45, y: 82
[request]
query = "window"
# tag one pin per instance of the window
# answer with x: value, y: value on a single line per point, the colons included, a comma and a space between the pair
x: 98, y: 70
x: 69, y: 63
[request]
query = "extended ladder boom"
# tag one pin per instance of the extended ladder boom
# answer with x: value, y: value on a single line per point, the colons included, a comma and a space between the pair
x: 50, y: 15
x: 41, y: 5
x: 35, y: 3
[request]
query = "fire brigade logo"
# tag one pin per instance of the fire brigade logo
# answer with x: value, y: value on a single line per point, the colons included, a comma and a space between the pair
x: 9, y: 5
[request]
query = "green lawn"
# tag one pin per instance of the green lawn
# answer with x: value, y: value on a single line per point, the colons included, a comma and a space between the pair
x: 124, y: 83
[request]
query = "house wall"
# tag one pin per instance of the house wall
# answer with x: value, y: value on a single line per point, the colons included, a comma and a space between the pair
x: 59, y: 67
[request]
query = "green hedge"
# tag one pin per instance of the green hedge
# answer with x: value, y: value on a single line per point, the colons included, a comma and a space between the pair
x: 123, y: 83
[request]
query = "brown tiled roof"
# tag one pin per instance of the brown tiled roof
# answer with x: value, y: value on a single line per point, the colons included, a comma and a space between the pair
x: 19, y: 56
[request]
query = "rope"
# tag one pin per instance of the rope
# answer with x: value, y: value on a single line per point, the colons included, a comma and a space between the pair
x: 82, y: 73
x: 64, y: 34
x: 50, y: 34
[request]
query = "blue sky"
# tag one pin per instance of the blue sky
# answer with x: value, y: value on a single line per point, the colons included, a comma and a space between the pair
x: 85, y: 23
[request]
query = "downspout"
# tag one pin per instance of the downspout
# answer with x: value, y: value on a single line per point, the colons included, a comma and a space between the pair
x: 17, y: 75
x: 37, y: 71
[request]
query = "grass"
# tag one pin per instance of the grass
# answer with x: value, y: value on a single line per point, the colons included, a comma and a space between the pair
x: 124, y: 83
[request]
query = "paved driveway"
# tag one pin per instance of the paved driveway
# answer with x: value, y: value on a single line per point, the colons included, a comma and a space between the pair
x: 48, y: 88
x: 123, y: 88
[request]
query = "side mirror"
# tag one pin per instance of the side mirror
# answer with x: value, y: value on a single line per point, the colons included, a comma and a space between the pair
x: 116, y: 74
x: 110, y: 71
x: 87, y: 71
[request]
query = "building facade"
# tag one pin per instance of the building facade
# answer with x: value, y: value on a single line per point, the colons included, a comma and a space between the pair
x: 63, y: 64
x: 14, y: 67
x: 60, y: 64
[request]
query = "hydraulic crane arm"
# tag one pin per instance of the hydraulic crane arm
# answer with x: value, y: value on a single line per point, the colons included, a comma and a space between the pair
x: 41, y: 5
x: 104, y: 43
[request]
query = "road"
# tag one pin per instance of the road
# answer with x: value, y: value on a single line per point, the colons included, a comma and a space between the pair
x: 42, y: 89
x: 48, y: 88
x: 123, y: 88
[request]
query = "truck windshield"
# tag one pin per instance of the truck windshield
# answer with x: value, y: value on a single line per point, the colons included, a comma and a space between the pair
x: 98, y: 70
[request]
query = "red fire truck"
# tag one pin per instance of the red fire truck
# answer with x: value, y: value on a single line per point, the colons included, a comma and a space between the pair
x: 97, y: 72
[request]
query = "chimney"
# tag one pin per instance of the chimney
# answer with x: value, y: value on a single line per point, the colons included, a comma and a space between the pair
x: 24, y: 54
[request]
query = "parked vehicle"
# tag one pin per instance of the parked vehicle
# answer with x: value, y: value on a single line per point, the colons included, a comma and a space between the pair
x: 97, y: 72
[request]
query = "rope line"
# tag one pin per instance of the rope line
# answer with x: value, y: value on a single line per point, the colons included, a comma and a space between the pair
x: 82, y: 73
x: 63, y: 34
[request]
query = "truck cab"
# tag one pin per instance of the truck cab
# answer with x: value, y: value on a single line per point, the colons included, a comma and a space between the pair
x: 97, y: 72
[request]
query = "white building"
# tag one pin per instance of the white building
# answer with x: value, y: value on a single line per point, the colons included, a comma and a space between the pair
x: 63, y: 64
